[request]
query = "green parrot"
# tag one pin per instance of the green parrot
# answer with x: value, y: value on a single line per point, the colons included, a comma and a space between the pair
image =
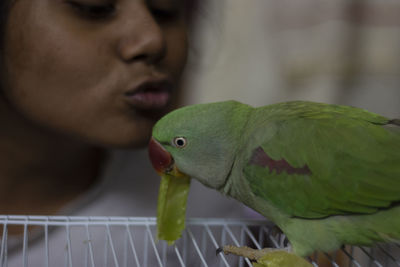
x: 326, y: 175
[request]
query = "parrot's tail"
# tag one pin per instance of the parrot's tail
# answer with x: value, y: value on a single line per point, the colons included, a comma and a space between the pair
x: 395, y: 122
x: 393, y: 126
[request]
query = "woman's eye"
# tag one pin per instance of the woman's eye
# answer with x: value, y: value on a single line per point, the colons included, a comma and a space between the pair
x: 94, y: 11
x: 166, y: 14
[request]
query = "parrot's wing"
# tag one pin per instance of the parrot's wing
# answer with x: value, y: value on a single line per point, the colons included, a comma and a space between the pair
x: 318, y: 166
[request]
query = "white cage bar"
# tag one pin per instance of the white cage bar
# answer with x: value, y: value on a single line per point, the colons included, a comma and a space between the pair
x: 37, y: 241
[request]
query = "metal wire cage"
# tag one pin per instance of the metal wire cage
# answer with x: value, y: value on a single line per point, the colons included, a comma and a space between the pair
x: 130, y: 241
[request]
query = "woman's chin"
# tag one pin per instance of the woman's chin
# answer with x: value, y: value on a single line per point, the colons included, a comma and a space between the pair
x: 132, y: 141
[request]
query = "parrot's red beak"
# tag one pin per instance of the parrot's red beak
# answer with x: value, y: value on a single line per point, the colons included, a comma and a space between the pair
x: 161, y: 159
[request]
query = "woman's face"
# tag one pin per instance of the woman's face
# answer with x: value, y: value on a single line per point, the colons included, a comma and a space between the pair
x: 100, y: 70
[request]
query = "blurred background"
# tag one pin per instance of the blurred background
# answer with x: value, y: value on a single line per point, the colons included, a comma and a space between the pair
x: 264, y: 51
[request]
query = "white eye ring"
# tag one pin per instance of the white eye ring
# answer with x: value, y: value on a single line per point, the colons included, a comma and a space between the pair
x: 179, y: 142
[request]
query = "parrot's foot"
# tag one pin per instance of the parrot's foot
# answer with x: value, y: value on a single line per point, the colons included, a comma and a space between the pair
x: 251, y: 253
x: 268, y: 257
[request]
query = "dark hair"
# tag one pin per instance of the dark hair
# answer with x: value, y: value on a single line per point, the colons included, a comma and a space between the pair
x: 4, y: 8
x: 191, y: 8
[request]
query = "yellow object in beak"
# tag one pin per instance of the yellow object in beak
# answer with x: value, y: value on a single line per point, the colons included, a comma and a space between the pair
x: 171, y: 206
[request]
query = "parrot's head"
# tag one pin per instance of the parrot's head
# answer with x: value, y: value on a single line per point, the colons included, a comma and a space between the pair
x: 199, y: 141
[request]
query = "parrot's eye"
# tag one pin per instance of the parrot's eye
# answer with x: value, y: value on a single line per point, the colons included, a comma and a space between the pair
x: 179, y: 142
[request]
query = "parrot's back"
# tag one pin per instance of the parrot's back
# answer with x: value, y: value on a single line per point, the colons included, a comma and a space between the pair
x: 325, y: 174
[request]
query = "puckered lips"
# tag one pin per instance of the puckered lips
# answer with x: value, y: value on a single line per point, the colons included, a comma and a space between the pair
x: 153, y: 94
x: 162, y: 160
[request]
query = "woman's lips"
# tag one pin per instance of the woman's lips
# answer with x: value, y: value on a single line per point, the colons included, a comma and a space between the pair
x: 150, y: 95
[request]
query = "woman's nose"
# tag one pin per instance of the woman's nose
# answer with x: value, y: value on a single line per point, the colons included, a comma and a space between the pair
x: 142, y: 38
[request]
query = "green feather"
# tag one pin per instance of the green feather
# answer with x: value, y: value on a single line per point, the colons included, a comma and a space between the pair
x: 352, y: 160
